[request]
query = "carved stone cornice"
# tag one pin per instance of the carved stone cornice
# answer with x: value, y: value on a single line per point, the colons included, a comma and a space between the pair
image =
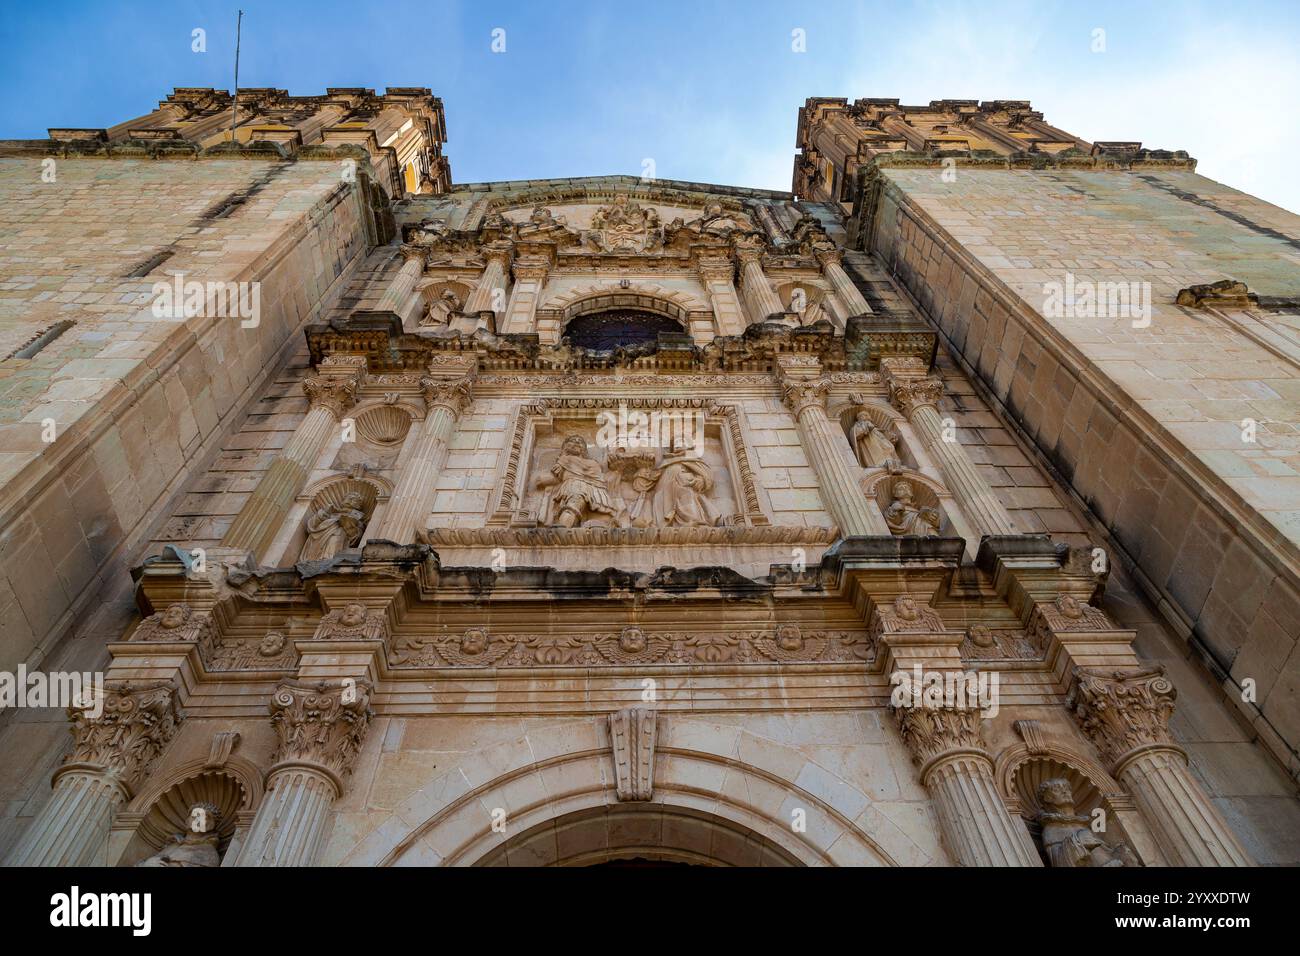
x: 320, y: 724
x: 908, y: 395
x: 336, y: 394
x: 453, y: 394
x: 1124, y: 712
x: 531, y: 268
x: 131, y: 731
x: 933, y: 733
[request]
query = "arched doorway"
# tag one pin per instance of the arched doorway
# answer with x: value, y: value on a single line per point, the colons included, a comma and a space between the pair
x: 638, y: 834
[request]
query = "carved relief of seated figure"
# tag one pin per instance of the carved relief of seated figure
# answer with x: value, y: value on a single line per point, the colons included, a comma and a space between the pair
x: 195, y: 848
x: 905, y: 516
x: 576, y: 489
x: 1068, y: 838
x: 441, y: 308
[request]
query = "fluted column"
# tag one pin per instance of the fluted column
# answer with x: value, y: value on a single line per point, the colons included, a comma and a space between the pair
x: 409, y: 504
x: 718, y: 275
x: 837, y: 474
x: 493, y: 278
x: 258, y: 522
x: 113, y: 752
x: 958, y: 774
x: 320, y: 727
x: 1126, y: 714
x: 763, y: 302
x: 398, y: 294
x: 845, y: 290
x: 918, y: 399
x: 530, y: 276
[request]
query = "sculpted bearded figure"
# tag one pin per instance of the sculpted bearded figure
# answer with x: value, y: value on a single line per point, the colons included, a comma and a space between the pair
x: 332, y: 528
x: 1068, y: 838
x: 871, y: 444
x: 904, y: 516
x: 675, y: 494
x: 576, y: 490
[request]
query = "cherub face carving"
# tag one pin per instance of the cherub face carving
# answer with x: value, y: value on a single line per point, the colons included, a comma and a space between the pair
x: 271, y: 645
x: 354, y: 615
x: 788, y: 637
x: 905, y: 607
x: 632, y: 640
x: 473, y: 641
x: 174, y: 616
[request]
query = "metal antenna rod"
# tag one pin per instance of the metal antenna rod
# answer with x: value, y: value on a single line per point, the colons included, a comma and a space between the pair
x: 234, y: 112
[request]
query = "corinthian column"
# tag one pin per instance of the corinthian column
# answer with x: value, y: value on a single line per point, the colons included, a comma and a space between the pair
x: 837, y: 473
x: 1126, y: 714
x: 320, y: 727
x: 718, y: 276
x: 958, y: 773
x: 445, y: 399
x: 530, y: 276
x: 330, y: 394
x: 845, y: 290
x: 918, y: 399
x: 113, y: 751
x: 763, y: 302
x: 492, y: 279
x: 397, y: 296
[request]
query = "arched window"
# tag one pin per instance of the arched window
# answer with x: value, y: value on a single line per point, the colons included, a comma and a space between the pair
x: 618, y: 328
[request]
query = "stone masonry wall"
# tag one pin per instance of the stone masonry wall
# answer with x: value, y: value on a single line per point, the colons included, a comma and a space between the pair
x: 1143, y: 423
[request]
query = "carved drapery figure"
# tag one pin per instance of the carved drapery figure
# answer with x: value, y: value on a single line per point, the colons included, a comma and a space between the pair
x: 576, y: 489
x: 904, y: 516
x: 675, y: 494
x: 1068, y: 839
x: 870, y: 442
x: 441, y: 308
x: 195, y: 848
x: 332, y: 528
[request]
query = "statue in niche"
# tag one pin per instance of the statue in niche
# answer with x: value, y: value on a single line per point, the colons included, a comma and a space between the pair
x: 1068, y: 838
x: 576, y: 490
x: 872, y: 446
x: 332, y: 528
x: 441, y: 308
x: 905, y: 516
x: 197, y: 847
x: 675, y: 493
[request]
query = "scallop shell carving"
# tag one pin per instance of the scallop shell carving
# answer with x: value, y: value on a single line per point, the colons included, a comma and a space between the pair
x: 383, y: 425
x: 170, y: 814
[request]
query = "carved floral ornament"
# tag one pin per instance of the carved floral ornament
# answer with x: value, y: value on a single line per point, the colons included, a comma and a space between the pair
x: 133, y: 728
x: 911, y: 394
x: 453, y: 394
x: 934, y: 732
x: 1124, y: 711
x: 332, y: 392
x: 787, y: 643
x: 321, y: 724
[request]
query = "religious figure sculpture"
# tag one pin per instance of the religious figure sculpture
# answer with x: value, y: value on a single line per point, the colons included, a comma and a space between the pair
x: 872, y: 446
x: 1068, y: 838
x: 441, y: 308
x: 905, y: 516
x: 332, y: 528
x: 195, y: 848
x: 675, y: 493
x: 576, y: 490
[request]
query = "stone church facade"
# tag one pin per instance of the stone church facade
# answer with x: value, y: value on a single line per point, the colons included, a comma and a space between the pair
x: 574, y: 521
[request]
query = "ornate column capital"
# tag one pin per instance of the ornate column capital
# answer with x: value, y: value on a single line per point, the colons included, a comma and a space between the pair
x: 749, y: 248
x: 320, y: 725
x: 124, y: 737
x: 413, y: 253
x: 1124, y: 712
x: 499, y: 252
x: 935, y: 733
x: 454, y: 394
x: 909, y: 394
x: 716, y: 269
x: 828, y: 255
x: 332, y: 392
x: 801, y: 394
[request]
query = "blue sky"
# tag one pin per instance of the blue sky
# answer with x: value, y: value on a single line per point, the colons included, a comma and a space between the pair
x: 707, y: 89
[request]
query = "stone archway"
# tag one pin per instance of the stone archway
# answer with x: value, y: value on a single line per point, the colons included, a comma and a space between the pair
x: 629, y: 832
